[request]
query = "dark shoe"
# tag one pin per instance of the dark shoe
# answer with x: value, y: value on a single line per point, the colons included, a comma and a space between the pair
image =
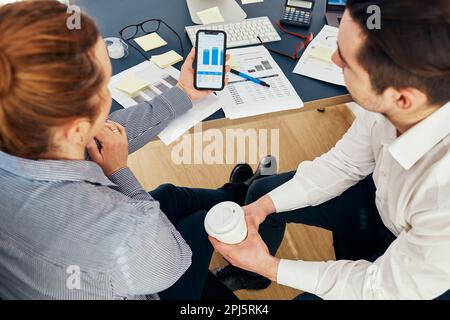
x: 215, y: 290
x: 241, y: 173
x: 237, y: 280
x: 237, y: 191
x: 242, y: 177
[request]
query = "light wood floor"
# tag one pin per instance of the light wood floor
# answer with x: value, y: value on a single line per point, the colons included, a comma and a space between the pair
x: 302, y: 135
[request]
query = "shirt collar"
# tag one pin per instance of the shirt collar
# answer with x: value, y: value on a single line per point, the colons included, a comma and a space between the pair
x: 411, y: 146
x: 54, y: 170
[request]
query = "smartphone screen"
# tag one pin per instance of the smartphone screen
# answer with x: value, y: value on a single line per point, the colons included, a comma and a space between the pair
x: 210, y: 60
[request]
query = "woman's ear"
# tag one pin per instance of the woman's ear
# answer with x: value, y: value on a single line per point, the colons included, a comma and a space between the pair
x: 77, y: 132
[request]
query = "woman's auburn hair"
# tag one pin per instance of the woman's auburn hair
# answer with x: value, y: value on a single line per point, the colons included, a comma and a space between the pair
x: 49, y: 74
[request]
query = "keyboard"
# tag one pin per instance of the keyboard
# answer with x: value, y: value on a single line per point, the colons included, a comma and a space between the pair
x: 243, y: 33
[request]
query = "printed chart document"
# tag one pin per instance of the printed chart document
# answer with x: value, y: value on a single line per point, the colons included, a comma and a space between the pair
x: 316, y: 60
x: 157, y: 81
x: 243, y: 98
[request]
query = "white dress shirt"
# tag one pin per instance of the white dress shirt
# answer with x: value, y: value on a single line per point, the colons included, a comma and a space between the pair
x: 412, y: 176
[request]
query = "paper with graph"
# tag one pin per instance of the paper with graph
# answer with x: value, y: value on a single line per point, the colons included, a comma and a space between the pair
x: 243, y: 98
x: 316, y: 60
x: 146, y: 81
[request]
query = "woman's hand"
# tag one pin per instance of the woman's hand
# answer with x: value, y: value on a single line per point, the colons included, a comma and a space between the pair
x: 186, y: 81
x: 113, y: 154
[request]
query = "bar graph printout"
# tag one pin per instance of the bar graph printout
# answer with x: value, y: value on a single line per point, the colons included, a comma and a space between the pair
x: 243, y: 98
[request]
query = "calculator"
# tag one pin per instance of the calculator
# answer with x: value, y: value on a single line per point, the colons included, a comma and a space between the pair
x: 298, y: 13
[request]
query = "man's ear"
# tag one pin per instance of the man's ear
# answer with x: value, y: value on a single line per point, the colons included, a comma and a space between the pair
x: 406, y: 98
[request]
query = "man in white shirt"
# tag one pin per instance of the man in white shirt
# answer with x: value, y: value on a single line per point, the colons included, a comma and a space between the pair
x: 384, y: 189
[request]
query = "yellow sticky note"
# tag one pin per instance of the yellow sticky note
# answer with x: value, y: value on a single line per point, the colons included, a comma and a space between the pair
x: 167, y: 59
x: 211, y: 15
x: 132, y: 84
x: 321, y: 53
x: 150, y: 41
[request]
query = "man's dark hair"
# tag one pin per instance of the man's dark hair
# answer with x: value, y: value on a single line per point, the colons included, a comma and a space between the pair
x: 412, y: 47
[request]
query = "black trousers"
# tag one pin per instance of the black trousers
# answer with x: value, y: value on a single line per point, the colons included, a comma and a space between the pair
x: 186, y: 208
x: 358, y: 231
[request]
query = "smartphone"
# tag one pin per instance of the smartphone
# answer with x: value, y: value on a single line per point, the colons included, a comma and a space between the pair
x: 209, y: 65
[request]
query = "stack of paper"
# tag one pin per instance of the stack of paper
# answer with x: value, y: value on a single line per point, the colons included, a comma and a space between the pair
x: 150, y: 41
x: 167, y: 59
x: 211, y: 15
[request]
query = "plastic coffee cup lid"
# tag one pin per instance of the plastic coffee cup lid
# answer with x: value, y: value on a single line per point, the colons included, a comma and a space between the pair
x: 117, y: 49
x: 223, y: 218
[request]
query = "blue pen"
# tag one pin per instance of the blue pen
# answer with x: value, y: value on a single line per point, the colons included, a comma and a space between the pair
x: 246, y: 76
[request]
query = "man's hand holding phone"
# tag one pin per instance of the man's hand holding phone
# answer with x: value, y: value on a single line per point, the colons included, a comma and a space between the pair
x: 187, y: 75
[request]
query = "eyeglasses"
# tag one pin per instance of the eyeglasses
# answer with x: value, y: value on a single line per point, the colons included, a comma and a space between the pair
x: 298, y: 48
x: 129, y: 32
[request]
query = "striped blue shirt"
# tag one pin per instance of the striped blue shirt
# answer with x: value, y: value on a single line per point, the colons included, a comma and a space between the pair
x: 69, y: 232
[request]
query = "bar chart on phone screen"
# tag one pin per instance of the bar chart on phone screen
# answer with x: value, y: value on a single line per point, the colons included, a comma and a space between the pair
x: 245, y: 98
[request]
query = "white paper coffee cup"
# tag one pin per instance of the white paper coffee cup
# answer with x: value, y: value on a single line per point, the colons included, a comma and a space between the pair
x: 226, y: 222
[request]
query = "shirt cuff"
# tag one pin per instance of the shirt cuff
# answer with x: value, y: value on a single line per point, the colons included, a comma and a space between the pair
x: 177, y: 100
x: 302, y: 275
x: 289, y: 196
x: 127, y: 183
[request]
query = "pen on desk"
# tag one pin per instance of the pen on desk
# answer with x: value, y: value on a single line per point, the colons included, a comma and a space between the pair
x: 246, y: 76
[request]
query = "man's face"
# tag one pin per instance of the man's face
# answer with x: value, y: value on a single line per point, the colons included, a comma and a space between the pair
x: 357, y: 80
